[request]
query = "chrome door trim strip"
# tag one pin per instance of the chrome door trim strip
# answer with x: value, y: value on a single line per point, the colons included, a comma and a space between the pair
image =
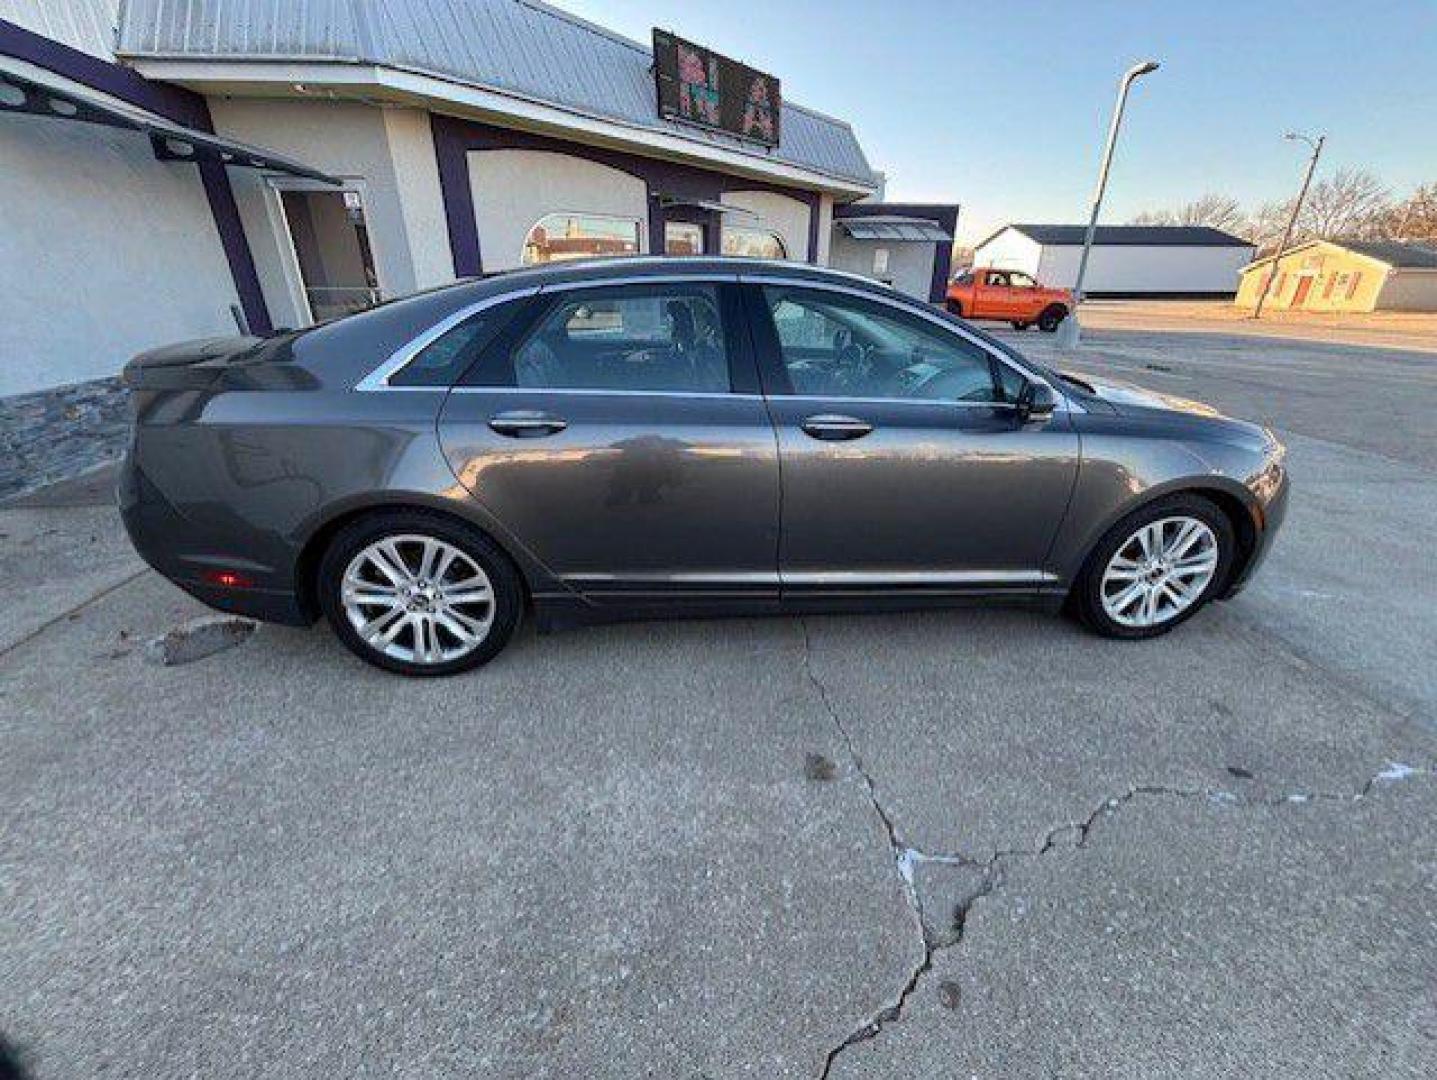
x: 578, y: 391
x: 858, y: 578
x: 378, y: 379
x: 736, y: 577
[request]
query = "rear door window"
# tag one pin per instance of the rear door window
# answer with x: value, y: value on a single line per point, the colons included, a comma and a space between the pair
x: 627, y: 338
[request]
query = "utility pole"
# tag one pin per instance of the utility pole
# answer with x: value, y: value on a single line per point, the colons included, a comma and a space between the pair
x: 1292, y: 220
x: 1068, y: 331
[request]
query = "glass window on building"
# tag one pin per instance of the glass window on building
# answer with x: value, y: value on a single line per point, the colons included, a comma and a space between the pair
x: 753, y: 243
x: 683, y: 238
x: 556, y: 237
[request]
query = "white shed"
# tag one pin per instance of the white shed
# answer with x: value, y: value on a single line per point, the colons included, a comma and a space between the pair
x: 1155, y: 261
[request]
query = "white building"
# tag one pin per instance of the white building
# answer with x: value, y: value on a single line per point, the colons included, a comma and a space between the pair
x: 1157, y: 261
x: 183, y: 168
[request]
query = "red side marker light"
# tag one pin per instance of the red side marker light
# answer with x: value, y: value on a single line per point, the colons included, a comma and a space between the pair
x: 227, y: 579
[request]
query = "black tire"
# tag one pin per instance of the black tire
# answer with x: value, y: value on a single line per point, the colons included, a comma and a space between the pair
x: 1086, y: 598
x: 506, y: 585
x: 1051, y: 317
x: 954, y: 308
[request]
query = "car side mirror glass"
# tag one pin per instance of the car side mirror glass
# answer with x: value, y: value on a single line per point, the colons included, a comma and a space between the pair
x: 1036, y: 401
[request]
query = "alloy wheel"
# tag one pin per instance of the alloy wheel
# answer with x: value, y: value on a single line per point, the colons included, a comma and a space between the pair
x: 1160, y: 571
x: 418, y: 599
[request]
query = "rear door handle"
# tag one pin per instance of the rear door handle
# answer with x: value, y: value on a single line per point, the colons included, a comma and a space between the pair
x: 527, y: 424
x: 833, y: 427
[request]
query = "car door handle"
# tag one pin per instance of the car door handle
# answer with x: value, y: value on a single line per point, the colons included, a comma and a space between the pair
x: 525, y: 424
x: 832, y: 427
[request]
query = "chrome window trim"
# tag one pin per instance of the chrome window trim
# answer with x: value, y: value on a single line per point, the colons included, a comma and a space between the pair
x: 921, y: 311
x: 943, y: 402
x: 378, y: 379
x: 711, y: 278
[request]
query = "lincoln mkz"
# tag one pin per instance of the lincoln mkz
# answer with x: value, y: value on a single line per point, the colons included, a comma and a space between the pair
x: 653, y: 437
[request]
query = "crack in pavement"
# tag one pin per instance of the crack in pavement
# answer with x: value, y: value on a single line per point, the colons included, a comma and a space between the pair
x: 907, y: 859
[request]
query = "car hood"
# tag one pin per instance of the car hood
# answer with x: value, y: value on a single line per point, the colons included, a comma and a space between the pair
x: 1129, y: 399
x: 1125, y: 396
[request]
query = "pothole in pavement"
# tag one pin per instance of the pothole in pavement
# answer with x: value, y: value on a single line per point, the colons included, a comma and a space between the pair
x: 197, y: 639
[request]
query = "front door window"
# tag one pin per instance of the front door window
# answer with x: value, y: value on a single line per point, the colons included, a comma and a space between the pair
x: 838, y: 346
x: 331, y: 246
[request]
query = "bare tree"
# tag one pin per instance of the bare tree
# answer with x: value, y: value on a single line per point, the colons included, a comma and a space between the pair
x: 1415, y: 218
x: 1219, y: 211
x: 1350, y: 202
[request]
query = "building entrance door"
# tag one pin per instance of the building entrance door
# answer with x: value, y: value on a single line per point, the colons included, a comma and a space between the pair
x: 331, y: 247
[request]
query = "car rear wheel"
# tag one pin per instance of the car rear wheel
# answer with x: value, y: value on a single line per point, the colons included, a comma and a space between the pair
x: 1051, y: 317
x: 1156, y: 568
x: 419, y: 593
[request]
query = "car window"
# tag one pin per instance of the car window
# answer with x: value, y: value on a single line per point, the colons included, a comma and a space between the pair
x: 660, y: 337
x: 837, y: 345
x: 999, y: 279
x: 1021, y: 281
x: 965, y: 278
x: 442, y: 361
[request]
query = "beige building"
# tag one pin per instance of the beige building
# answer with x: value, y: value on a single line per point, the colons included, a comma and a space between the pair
x: 1346, y: 275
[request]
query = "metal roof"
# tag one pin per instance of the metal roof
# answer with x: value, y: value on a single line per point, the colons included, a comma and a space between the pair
x: 86, y: 25
x: 894, y: 227
x: 1399, y: 254
x: 521, y: 47
x: 1129, y: 236
x: 1396, y: 253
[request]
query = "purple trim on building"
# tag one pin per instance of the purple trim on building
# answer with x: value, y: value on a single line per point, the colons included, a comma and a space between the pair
x: 449, y: 149
x: 454, y: 138
x: 942, y: 214
x: 173, y: 103
x: 225, y: 211
x: 163, y: 99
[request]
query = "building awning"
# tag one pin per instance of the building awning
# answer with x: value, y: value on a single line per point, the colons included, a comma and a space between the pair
x: 667, y: 201
x: 895, y: 227
x: 171, y: 141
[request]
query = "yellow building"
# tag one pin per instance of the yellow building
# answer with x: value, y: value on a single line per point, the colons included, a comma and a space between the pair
x: 1346, y: 275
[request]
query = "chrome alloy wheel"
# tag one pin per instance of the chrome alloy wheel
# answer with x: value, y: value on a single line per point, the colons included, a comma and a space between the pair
x: 1159, y: 571
x: 418, y: 599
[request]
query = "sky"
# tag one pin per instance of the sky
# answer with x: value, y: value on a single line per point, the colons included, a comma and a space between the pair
x: 1003, y: 107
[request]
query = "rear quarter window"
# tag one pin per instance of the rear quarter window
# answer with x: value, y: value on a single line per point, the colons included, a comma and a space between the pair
x: 440, y: 363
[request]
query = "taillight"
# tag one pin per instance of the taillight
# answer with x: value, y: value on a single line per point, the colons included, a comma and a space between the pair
x: 227, y: 579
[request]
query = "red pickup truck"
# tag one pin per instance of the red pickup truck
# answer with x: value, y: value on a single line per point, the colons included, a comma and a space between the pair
x: 1008, y: 296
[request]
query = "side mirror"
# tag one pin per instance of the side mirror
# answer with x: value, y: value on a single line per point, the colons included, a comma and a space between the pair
x: 1036, y: 402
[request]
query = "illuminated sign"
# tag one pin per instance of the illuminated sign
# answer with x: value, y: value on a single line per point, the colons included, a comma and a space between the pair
x: 698, y: 86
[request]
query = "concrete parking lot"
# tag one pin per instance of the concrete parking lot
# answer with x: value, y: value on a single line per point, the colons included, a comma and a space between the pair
x: 976, y: 843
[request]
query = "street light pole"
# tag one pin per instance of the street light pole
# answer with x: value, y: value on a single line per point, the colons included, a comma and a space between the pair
x: 1292, y: 218
x: 1068, y: 330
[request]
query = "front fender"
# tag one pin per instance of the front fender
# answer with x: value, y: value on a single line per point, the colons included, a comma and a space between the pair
x: 1120, y: 473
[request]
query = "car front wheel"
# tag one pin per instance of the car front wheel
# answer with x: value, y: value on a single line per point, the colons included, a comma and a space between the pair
x: 1156, y: 568
x: 419, y: 593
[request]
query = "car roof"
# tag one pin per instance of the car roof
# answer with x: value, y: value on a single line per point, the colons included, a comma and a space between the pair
x: 660, y: 266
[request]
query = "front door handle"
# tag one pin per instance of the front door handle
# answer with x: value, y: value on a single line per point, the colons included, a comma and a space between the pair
x: 836, y: 428
x: 527, y: 424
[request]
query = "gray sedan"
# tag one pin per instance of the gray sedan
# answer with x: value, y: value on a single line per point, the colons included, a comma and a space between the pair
x: 645, y: 437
